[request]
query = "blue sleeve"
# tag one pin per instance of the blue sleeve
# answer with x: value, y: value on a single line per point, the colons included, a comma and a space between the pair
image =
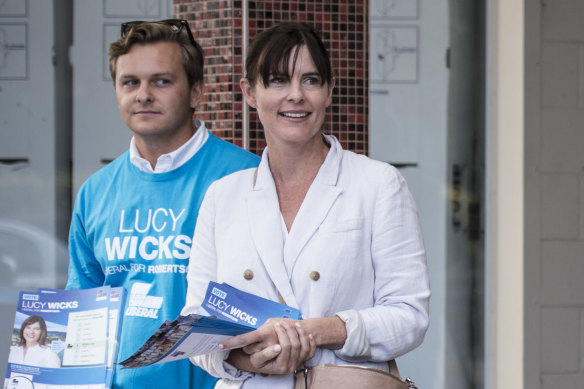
x: 84, y: 270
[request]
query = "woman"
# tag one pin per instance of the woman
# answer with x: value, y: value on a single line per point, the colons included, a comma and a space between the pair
x: 32, y: 350
x: 322, y: 229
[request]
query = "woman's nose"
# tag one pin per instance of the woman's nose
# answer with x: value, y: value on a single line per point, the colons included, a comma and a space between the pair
x: 295, y: 92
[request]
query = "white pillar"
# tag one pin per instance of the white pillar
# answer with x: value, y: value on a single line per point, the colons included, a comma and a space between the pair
x: 504, y: 360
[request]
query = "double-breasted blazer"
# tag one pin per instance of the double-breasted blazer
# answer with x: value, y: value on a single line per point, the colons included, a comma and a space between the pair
x: 355, y: 250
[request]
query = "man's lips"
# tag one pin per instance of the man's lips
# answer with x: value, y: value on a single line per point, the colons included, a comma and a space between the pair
x: 145, y: 112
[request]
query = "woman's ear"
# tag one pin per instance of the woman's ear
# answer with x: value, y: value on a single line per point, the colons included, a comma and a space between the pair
x: 331, y: 86
x: 247, y: 90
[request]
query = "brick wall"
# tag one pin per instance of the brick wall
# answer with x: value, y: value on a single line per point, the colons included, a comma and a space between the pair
x: 217, y: 26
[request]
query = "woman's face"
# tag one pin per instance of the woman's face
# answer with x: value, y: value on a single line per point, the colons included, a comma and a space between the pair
x: 291, y: 110
x: 32, y: 334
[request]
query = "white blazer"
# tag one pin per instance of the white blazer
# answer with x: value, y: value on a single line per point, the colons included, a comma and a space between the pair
x: 355, y: 250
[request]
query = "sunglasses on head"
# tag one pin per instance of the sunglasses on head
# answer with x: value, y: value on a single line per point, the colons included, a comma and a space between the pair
x: 176, y: 24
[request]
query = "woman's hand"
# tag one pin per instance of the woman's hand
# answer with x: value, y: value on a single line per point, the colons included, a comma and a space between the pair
x: 278, y: 347
x: 259, y: 339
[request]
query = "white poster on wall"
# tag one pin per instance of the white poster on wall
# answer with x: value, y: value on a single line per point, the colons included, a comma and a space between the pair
x: 394, y: 81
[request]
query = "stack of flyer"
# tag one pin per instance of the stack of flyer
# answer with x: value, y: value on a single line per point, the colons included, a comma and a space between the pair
x: 65, y: 338
x: 225, y: 312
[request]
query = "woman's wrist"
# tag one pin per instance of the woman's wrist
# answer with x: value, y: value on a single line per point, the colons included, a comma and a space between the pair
x: 329, y: 332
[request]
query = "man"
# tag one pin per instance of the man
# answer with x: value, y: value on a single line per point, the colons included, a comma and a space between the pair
x: 134, y: 219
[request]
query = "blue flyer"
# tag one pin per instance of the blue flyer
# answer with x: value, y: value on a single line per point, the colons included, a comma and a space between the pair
x: 63, y: 338
x: 232, y: 304
x: 226, y: 312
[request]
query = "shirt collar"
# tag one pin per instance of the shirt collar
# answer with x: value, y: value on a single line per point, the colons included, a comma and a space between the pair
x: 174, y: 159
x: 328, y: 172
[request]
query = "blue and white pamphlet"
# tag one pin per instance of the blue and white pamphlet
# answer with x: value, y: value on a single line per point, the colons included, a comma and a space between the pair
x: 225, y: 312
x: 65, y: 338
x: 234, y: 305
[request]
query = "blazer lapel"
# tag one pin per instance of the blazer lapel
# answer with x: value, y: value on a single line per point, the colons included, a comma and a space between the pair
x: 266, y: 230
x: 316, y: 205
x: 266, y: 223
x: 312, y: 213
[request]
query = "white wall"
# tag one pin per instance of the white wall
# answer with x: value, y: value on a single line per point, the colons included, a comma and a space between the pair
x: 426, y: 116
x: 420, y: 119
x: 555, y: 178
x: 28, y: 172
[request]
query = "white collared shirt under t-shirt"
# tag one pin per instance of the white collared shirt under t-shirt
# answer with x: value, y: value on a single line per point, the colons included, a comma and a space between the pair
x: 174, y: 159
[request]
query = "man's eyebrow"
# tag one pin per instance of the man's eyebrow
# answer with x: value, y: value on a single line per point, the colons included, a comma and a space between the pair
x: 154, y: 75
x: 162, y: 74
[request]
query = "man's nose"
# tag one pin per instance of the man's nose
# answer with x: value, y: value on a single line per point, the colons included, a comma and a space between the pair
x: 143, y: 94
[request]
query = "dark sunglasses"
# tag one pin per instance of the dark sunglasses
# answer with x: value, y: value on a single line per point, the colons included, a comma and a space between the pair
x: 176, y: 24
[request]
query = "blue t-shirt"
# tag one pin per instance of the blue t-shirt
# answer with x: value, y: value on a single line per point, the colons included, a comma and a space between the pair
x: 134, y: 229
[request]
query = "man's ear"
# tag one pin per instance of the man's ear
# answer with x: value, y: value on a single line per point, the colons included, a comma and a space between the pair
x: 197, y: 91
x: 247, y: 90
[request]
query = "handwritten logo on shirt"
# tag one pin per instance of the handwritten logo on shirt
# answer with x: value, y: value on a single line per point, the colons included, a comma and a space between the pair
x: 142, y: 305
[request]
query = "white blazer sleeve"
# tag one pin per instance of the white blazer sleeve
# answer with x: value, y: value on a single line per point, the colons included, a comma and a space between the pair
x: 399, y: 318
x: 202, y: 269
x: 203, y: 258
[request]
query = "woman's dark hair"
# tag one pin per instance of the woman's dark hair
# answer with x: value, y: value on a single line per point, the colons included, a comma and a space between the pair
x: 32, y: 320
x: 270, y: 52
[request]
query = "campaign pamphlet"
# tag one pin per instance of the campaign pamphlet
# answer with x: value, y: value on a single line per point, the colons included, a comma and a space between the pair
x: 65, y: 338
x: 226, y: 311
x: 232, y: 304
x: 116, y: 307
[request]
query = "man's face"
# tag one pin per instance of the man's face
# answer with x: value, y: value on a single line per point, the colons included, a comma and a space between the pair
x: 153, y: 95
